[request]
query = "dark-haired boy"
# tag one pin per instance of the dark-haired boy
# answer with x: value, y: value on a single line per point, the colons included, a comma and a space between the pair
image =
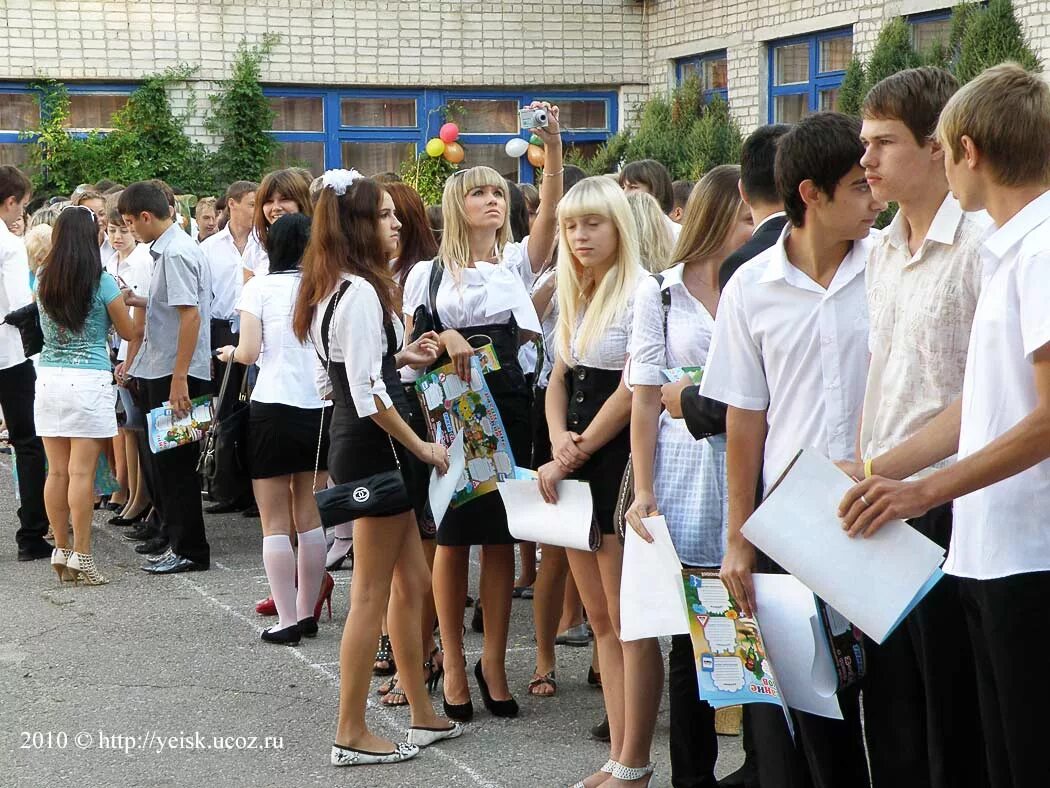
x: 172, y: 365
x: 996, y: 137
x: 17, y: 376
x: 789, y: 358
x: 923, y: 280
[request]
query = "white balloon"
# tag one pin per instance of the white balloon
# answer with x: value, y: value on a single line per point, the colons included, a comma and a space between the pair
x: 516, y: 147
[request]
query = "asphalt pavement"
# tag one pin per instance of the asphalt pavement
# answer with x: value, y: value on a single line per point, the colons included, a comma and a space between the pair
x: 163, y: 681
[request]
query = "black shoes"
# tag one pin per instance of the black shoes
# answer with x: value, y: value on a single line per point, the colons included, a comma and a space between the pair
x: 308, y: 627
x: 224, y: 507
x: 289, y: 636
x: 460, y: 712
x: 125, y: 521
x: 498, y: 708
x: 744, y: 777
x: 251, y: 511
x: 142, y: 532
x: 157, y: 544
x: 174, y: 564
x: 477, y: 621
x: 601, y: 731
x: 34, y: 550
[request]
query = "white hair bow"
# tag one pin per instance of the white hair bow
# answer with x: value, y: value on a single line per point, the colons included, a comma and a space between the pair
x: 339, y: 180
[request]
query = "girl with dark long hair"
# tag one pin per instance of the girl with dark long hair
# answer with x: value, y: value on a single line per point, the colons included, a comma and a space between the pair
x: 75, y: 404
x: 349, y: 306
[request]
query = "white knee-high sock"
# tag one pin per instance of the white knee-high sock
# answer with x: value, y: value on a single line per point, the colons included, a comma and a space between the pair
x: 311, y: 571
x: 279, y: 561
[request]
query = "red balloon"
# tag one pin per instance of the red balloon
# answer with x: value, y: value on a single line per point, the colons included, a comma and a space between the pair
x: 537, y: 156
x: 454, y: 152
x: 449, y: 133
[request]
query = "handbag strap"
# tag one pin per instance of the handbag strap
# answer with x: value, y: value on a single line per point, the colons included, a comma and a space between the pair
x: 437, y: 269
x: 222, y: 388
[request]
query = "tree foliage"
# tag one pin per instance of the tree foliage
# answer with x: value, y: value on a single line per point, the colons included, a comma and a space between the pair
x: 990, y: 36
x: 427, y: 176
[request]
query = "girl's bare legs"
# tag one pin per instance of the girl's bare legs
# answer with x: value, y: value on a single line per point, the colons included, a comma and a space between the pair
x: 83, y: 457
x: 547, y: 605
x: 56, y: 489
x: 497, y: 591
x: 450, y: 594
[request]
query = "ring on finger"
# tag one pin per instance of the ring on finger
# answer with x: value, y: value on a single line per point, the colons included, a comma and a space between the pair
x: 865, y: 500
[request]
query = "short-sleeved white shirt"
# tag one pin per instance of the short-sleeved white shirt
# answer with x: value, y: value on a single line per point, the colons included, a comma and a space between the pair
x: 784, y: 344
x: 255, y: 257
x: 921, y: 310
x: 227, y: 265
x: 487, y: 294
x: 1004, y: 529
x: 136, y: 271
x: 288, y: 368
x: 14, y: 294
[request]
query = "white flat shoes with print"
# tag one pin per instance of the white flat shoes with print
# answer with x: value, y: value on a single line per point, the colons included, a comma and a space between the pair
x: 424, y: 737
x: 347, y: 756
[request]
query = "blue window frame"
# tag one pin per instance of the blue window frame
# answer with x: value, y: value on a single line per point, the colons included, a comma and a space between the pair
x: 930, y: 29
x: 805, y: 73
x: 374, y: 130
x: 711, y: 68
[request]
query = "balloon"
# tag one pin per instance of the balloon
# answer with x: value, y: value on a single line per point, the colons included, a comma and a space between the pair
x: 534, y: 140
x: 454, y: 152
x: 537, y: 156
x: 516, y: 147
x: 449, y: 133
x: 435, y: 148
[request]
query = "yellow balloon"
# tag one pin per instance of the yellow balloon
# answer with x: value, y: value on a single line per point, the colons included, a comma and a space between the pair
x: 435, y: 148
x: 454, y: 152
x: 537, y: 156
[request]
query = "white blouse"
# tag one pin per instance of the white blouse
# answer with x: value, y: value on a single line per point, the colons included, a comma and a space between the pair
x: 688, y: 335
x: 487, y: 294
x: 610, y: 350
x: 358, y: 340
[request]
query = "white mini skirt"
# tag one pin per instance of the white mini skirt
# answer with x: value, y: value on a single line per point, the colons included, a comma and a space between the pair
x: 75, y: 403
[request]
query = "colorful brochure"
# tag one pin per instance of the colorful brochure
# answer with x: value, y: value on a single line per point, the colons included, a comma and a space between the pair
x: 675, y: 374
x: 167, y: 432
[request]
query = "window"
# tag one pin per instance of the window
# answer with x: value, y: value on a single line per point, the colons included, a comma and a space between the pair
x: 712, y: 69
x: 302, y: 154
x: 18, y: 112
x: 15, y: 154
x: 298, y: 113
x: 806, y: 74
x: 91, y: 111
x: 584, y: 115
x: 486, y: 116
x: 378, y: 113
x: 930, y: 31
x: 373, y: 158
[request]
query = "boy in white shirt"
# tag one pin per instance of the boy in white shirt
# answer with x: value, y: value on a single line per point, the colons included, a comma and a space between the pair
x: 789, y: 358
x: 996, y: 136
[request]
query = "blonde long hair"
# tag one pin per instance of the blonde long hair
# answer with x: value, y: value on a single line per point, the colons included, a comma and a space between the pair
x: 455, y: 237
x: 601, y: 305
x: 654, y: 237
x: 709, y: 215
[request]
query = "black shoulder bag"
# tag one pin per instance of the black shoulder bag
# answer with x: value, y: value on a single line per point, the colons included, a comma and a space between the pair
x: 379, y: 495
x: 27, y: 320
x: 425, y: 318
x: 223, y: 464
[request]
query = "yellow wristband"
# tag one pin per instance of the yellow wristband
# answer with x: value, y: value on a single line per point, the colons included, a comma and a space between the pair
x: 867, y: 469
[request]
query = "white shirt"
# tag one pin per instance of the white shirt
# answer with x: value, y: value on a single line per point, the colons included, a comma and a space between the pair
x: 487, y: 294
x: 227, y: 274
x: 288, y: 368
x: 255, y: 257
x: 549, y: 325
x: 14, y: 294
x: 358, y: 325
x: 610, y: 350
x: 136, y: 270
x: 689, y: 328
x: 674, y: 227
x: 921, y: 308
x: 1004, y: 529
x: 784, y: 344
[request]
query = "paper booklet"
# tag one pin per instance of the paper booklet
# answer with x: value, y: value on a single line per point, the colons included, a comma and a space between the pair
x: 442, y: 487
x: 652, y: 599
x: 164, y: 431
x: 568, y: 523
x: 873, y: 582
x: 451, y: 406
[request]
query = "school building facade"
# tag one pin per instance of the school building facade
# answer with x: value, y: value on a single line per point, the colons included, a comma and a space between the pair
x: 364, y: 83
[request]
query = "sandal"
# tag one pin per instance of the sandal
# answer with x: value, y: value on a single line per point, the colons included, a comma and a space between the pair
x: 396, y: 695
x: 434, y: 670
x: 384, y: 662
x: 594, y: 678
x: 543, y: 680
x: 386, y: 686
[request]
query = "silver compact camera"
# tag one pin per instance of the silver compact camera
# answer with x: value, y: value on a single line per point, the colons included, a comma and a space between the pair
x: 532, y: 118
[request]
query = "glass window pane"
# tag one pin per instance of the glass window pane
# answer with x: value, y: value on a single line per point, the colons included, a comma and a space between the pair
x: 14, y: 153
x: 373, y: 158
x: 94, y: 110
x: 927, y: 35
x: 302, y: 154
x: 829, y: 100
x: 378, y: 112
x: 835, y: 53
x: 585, y: 149
x: 491, y: 155
x: 18, y: 112
x: 298, y: 113
x: 690, y: 68
x: 790, y: 109
x: 716, y: 74
x: 583, y: 115
x: 486, y: 116
x: 791, y: 64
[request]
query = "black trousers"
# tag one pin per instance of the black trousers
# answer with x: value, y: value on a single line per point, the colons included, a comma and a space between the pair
x: 1010, y: 634
x: 173, y: 480
x: 694, y: 745
x: 921, y: 717
x: 17, y: 395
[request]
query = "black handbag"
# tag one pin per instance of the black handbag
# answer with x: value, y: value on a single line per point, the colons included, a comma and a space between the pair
x: 425, y: 318
x: 224, y: 461
x: 27, y: 320
x: 379, y: 495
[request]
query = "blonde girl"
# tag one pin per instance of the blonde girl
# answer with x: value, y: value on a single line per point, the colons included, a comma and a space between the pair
x: 655, y: 243
x: 588, y: 409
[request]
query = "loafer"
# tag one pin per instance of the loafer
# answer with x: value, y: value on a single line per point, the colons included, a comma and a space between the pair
x: 34, y: 550
x: 225, y: 507
x: 156, y: 558
x: 424, y: 737
x: 141, y: 533
x: 153, y: 546
x: 173, y: 565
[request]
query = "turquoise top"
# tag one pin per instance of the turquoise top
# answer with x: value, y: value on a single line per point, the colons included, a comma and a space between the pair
x: 87, y: 348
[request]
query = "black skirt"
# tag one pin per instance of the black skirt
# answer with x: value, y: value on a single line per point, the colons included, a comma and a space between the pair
x: 282, y: 439
x: 419, y: 479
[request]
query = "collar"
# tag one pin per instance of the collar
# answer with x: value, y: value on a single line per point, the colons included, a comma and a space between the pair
x: 162, y: 243
x: 766, y: 221
x: 942, y: 230
x: 778, y: 267
x: 672, y: 276
x: 1001, y: 240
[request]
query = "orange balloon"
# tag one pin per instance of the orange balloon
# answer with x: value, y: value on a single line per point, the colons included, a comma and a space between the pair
x: 454, y: 152
x: 537, y: 156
